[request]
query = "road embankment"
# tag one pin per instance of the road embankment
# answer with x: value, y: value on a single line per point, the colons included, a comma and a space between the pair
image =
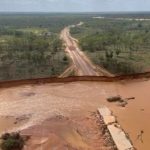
x: 5, y: 84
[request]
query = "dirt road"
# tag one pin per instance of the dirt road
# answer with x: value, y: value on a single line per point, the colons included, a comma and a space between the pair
x: 82, y: 64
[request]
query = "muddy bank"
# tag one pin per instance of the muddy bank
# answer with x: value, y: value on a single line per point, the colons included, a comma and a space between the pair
x: 14, y: 83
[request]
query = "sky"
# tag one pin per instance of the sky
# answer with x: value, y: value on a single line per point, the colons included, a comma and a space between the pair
x: 73, y: 5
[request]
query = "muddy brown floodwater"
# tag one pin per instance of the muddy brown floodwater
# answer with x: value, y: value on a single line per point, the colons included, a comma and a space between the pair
x: 40, y: 102
x: 64, y: 133
x: 10, y: 123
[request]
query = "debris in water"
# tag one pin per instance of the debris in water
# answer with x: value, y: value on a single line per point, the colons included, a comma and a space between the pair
x: 121, y: 102
x: 142, y: 109
x: 28, y: 94
x: 114, y: 99
x: 130, y: 98
x: 140, y: 136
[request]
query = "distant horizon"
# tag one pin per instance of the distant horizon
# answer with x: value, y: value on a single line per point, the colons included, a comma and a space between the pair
x: 71, y: 12
x: 74, y: 5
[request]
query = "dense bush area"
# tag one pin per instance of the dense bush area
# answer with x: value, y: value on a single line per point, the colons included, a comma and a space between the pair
x: 121, y: 46
x: 29, y: 55
x: 30, y: 46
x: 54, y: 22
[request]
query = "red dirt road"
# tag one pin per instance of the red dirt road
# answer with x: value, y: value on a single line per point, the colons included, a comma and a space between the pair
x: 83, y: 65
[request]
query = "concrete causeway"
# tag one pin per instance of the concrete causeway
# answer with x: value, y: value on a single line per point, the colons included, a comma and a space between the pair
x: 119, y: 137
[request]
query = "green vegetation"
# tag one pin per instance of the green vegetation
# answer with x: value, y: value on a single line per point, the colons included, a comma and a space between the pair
x: 29, y: 55
x: 12, y: 141
x: 121, y: 46
x: 30, y: 47
x: 53, y: 22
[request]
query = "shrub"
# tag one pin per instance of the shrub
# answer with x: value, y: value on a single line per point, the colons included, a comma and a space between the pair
x: 12, y: 141
x: 65, y: 58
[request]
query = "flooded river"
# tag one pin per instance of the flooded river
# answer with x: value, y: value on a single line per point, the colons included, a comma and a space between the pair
x: 40, y: 102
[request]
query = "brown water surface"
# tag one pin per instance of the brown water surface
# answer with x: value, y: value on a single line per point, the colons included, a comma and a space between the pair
x: 41, y: 102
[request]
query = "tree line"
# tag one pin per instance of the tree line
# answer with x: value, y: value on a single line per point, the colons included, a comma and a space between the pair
x: 29, y: 55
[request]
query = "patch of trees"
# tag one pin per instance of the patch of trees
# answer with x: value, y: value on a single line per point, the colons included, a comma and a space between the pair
x: 54, y: 22
x: 117, y: 66
x: 115, y: 44
x: 12, y: 141
x: 29, y: 56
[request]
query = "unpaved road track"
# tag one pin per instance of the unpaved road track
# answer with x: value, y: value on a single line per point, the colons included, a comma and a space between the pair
x: 82, y: 64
